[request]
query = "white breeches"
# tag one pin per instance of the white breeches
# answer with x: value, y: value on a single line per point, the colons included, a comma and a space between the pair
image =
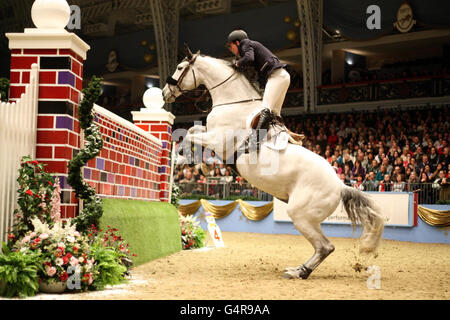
x: 275, y: 91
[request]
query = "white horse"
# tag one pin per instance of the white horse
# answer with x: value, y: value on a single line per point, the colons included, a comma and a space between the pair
x: 303, y: 179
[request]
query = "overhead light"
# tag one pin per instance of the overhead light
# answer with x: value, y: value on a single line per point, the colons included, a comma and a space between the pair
x: 349, y: 61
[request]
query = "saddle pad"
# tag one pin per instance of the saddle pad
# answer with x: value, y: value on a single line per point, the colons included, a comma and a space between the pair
x: 278, y: 141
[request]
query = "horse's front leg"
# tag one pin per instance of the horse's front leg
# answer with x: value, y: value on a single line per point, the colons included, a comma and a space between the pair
x: 186, y: 135
x: 197, y: 136
x: 205, y: 139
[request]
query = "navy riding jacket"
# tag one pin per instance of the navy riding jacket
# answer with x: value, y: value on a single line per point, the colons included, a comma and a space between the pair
x: 264, y: 61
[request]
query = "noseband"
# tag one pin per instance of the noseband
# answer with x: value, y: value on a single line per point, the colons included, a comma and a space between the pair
x: 173, y: 82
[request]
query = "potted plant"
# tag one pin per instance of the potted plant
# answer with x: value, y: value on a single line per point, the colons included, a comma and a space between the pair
x: 64, y: 253
x: 19, y: 273
x: 109, y: 268
x: 192, y: 235
x: 112, y: 240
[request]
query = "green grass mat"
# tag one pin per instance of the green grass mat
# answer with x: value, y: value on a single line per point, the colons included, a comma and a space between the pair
x: 152, y: 229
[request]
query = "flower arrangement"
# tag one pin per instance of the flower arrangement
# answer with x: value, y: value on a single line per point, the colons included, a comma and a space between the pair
x: 192, y: 235
x: 176, y: 194
x: 45, y: 251
x: 63, y: 252
x: 110, y: 239
x: 38, y: 194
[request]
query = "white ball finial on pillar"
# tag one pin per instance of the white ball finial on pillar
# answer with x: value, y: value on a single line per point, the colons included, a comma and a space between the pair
x: 50, y: 14
x: 153, y: 98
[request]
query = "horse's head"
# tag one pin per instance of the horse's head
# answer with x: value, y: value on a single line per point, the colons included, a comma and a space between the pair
x: 184, y: 79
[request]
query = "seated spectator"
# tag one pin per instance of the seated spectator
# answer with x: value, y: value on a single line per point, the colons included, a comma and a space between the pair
x: 367, y: 161
x: 428, y: 171
x: 337, y: 168
x: 217, y: 172
x: 397, y: 171
x: 223, y: 169
x: 424, y: 178
x: 227, y: 177
x: 399, y: 163
x: 348, y: 173
x: 344, y: 178
x: 434, y: 158
x: 381, y: 173
x: 347, y: 160
x: 332, y: 138
x: 358, y: 184
x: 202, y: 179
x: 373, y: 166
x: 413, y: 178
x: 358, y: 170
x: 327, y: 156
x: 444, y: 157
x: 370, y: 184
x: 385, y: 162
x: 413, y: 165
x: 405, y: 152
x: 380, y: 155
x: 188, y: 182
x: 423, y: 162
x: 212, y: 159
x: 399, y: 185
x: 385, y: 184
x: 440, y: 180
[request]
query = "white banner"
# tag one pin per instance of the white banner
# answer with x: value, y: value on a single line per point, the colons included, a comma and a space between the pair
x: 397, y: 209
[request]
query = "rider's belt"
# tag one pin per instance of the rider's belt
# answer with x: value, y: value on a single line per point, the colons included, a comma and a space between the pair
x: 264, y: 66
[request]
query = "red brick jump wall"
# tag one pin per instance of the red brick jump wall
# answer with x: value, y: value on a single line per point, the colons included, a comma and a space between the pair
x: 129, y: 164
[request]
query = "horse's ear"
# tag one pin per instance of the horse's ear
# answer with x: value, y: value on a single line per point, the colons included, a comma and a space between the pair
x: 187, y: 51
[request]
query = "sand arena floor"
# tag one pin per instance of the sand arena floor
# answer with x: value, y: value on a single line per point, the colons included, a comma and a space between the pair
x: 251, y: 267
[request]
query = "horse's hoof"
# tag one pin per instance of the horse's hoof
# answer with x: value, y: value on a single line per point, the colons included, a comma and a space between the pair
x: 304, y: 272
x: 293, y: 274
x: 287, y: 269
x: 300, y: 272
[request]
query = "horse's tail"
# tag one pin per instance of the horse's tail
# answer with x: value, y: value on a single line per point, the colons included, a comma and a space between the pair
x: 360, y: 208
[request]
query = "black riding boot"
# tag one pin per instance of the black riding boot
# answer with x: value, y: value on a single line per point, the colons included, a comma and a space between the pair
x: 263, y: 124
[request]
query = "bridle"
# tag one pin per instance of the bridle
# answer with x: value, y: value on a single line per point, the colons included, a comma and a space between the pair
x: 173, y: 82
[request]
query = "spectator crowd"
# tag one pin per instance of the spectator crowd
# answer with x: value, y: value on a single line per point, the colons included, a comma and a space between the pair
x: 390, y: 150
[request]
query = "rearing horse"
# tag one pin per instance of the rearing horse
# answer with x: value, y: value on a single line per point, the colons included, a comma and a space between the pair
x: 301, y: 178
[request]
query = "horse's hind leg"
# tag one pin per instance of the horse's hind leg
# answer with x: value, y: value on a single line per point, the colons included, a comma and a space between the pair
x: 313, y: 233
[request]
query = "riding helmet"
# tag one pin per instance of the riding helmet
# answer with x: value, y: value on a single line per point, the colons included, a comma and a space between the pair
x: 237, y: 35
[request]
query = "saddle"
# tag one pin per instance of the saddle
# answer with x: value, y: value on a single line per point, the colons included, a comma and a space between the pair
x: 277, y: 123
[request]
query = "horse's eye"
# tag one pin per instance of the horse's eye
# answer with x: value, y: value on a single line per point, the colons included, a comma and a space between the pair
x: 180, y: 68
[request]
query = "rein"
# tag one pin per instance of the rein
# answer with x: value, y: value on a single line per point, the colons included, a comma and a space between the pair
x: 174, y: 82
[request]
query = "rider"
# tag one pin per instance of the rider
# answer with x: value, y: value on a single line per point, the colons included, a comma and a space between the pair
x: 271, y: 73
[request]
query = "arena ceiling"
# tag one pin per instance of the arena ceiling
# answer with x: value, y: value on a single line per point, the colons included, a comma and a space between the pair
x: 113, y: 17
x: 107, y: 18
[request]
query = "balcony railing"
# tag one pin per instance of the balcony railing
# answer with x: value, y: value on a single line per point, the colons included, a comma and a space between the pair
x: 222, y: 190
x: 428, y: 193
x: 375, y: 90
x: 419, y: 87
